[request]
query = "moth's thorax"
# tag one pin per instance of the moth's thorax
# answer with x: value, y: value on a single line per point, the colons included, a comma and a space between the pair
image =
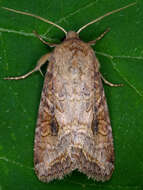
x: 72, y: 35
x: 73, y: 59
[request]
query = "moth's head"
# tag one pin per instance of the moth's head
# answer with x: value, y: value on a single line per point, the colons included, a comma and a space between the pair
x: 72, y: 34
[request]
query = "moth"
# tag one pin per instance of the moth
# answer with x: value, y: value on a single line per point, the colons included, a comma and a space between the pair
x: 73, y: 128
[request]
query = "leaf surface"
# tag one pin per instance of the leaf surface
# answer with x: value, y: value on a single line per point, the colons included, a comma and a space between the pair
x: 121, y: 58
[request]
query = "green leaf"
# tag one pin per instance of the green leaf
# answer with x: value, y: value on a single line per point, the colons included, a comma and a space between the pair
x: 121, y: 57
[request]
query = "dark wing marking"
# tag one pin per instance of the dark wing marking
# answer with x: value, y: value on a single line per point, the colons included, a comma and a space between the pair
x: 99, y: 164
x: 51, y: 159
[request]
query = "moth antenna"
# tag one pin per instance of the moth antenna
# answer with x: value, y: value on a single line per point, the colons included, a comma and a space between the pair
x: 36, y: 16
x: 107, y: 14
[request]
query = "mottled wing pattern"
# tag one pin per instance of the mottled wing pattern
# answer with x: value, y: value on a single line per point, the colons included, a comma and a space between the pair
x: 73, y: 129
x: 99, y: 164
x: 50, y: 160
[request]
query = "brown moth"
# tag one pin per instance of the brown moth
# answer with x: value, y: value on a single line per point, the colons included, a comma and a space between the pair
x: 73, y: 128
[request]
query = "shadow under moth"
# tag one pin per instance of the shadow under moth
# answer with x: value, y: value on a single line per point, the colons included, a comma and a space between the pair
x: 73, y: 127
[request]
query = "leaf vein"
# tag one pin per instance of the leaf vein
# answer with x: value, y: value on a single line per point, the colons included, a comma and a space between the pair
x: 125, y: 79
x: 23, y: 33
x: 71, y: 14
x: 15, y: 163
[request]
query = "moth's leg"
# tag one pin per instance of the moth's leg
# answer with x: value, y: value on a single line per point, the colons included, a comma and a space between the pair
x: 41, y: 62
x: 93, y: 42
x: 109, y: 83
x: 41, y: 39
